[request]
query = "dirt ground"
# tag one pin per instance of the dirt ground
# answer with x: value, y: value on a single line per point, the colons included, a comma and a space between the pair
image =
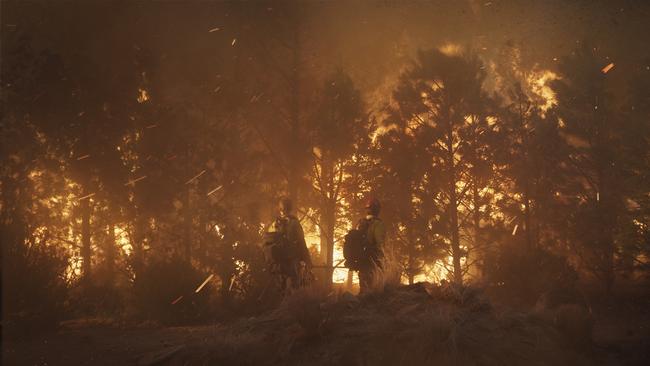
x: 620, y: 338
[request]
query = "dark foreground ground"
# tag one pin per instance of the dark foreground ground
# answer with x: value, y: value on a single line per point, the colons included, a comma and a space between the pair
x: 409, y: 326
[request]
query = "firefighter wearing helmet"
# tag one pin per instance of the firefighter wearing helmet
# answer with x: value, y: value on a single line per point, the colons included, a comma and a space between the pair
x: 375, y: 234
x: 285, y: 249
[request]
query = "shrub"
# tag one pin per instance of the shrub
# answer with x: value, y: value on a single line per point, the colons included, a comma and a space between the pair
x: 158, y: 290
x: 33, y: 289
x: 523, y: 275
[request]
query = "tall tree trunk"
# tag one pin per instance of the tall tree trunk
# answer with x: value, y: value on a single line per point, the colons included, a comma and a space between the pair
x: 476, y: 215
x: 606, y: 219
x: 527, y: 214
x: 453, y: 208
x: 110, y: 253
x: 605, y: 199
x: 139, y: 233
x: 455, y: 236
x: 227, y: 270
x: 411, y: 256
x: 295, y: 143
x: 348, y: 284
x: 328, y: 216
x: 85, y: 239
x: 526, y: 194
x: 187, y: 225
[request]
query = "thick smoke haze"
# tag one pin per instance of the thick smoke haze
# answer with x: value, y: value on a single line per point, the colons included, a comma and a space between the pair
x: 449, y: 182
x: 371, y: 40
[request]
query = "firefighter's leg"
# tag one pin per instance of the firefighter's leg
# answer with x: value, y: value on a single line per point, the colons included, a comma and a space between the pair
x: 295, y: 276
x: 365, y: 278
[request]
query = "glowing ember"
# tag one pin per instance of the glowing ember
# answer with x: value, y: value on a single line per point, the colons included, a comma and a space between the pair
x: 214, y: 190
x: 195, y: 177
x: 234, y: 40
x: 214, y: 30
x: 598, y: 196
x: 86, y: 196
x: 606, y: 69
x: 177, y: 300
x: 514, y: 231
x: 83, y: 157
x: 134, y: 181
x: 152, y: 126
x: 203, y: 284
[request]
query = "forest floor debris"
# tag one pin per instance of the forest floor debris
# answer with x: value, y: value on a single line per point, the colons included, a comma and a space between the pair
x: 409, y: 325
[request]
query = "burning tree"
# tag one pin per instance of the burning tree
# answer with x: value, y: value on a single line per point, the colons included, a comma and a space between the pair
x: 439, y: 99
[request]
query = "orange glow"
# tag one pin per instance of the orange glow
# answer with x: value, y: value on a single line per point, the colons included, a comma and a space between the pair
x: 539, y: 84
x: 143, y: 95
x: 451, y: 49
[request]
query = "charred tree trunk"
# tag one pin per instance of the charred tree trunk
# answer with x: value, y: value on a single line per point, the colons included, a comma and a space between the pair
x: 453, y: 207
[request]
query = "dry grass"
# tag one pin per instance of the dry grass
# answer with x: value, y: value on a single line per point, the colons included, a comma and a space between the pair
x: 394, y: 325
x: 386, y: 276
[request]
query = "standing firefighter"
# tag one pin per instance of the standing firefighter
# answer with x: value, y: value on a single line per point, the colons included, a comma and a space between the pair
x: 363, y: 247
x: 285, y: 249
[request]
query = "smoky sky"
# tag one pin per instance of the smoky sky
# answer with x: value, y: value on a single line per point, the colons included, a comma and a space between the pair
x: 371, y: 40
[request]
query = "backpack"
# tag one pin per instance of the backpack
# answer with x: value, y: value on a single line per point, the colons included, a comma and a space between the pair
x: 277, y: 248
x: 355, y: 245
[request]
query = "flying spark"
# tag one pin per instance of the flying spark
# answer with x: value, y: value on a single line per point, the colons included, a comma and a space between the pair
x: 195, y: 177
x: 232, y: 281
x: 234, y: 40
x: 214, y: 190
x: 606, y: 69
x: 514, y: 231
x: 598, y: 196
x: 204, y: 283
x: 214, y: 30
x: 86, y: 196
x: 152, y: 126
x: 132, y: 182
x: 83, y: 157
x: 177, y: 300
